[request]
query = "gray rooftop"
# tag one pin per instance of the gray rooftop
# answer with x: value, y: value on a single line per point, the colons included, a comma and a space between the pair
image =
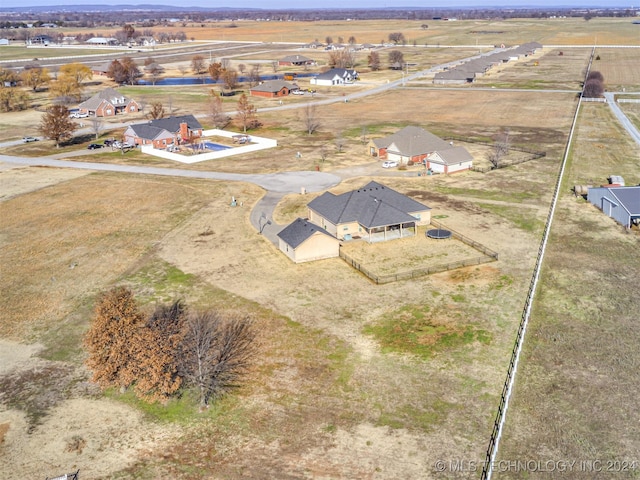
x: 629, y: 198
x: 412, y: 141
x: 373, y: 205
x: 300, y: 230
x: 273, y: 86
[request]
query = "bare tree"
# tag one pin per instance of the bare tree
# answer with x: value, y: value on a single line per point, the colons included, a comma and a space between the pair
x: 500, y: 149
x: 226, y: 63
x: 246, y: 114
x: 274, y: 66
x: 254, y: 75
x: 97, y: 125
x: 182, y: 69
x: 157, y: 111
x: 363, y: 135
x: 154, y: 71
x: 324, y: 153
x: 396, y: 60
x: 242, y: 68
x: 197, y: 64
x: 216, y: 113
x: 230, y: 79
x: 593, y: 88
x: 397, y: 38
x: 374, y: 61
x: 340, y: 142
x: 342, y: 59
x: 56, y: 124
x: 310, y: 118
x: 216, y: 353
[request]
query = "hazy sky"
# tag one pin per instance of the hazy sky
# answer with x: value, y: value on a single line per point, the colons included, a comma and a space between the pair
x: 287, y: 4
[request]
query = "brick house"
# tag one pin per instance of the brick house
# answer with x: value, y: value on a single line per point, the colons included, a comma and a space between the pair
x: 108, y: 103
x: 163, y: 132
x: 273, y: 89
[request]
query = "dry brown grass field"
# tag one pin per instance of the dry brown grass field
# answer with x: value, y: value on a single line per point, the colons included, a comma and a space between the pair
x: 352, y: 380
x: 566, y: 31
x: 575, y: 397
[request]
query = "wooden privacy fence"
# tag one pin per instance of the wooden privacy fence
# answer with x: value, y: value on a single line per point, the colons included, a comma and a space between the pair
x: 489, y: 256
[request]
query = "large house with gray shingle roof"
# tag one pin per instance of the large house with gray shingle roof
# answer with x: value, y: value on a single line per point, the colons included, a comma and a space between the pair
x: 374, y: 213
x: 108, y: 103
x: 415, y: 145
x: 273, y: 89
x: 163, y: 132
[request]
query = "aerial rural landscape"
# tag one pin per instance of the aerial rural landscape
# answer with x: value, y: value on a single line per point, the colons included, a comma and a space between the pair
x: 304, y: 245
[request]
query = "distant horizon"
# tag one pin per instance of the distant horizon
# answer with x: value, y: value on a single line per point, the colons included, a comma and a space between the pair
x: 330, y: 4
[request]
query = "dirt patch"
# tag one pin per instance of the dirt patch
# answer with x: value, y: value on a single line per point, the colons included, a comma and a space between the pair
x: 95, y: 436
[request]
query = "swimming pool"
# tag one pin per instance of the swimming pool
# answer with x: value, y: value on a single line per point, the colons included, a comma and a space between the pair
x: 215, y: 146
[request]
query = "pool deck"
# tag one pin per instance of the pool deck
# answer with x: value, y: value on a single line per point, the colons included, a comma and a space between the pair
x: 255, y: 144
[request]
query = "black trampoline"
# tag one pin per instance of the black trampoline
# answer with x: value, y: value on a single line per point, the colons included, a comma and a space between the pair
x: 438, y: 233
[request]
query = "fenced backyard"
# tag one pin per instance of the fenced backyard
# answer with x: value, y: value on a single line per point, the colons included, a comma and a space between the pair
x: 416, y: 256
x: 522, y: 155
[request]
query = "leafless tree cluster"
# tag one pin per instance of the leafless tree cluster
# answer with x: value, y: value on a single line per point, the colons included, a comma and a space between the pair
x: 396, y: 60
x: 397, y: 38
x: 594, y: 85
x: 345, y: 58
x: 160, y: 354
x: 124, y: 71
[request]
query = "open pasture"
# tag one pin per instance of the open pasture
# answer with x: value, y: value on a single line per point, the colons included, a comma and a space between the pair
x: 620, y: 67
x: 575, y: 395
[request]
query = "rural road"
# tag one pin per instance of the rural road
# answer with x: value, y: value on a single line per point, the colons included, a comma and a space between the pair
x: 622, y: 118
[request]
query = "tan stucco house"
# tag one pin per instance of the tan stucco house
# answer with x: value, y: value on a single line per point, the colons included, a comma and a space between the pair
x: 374, y: 213
x: 303, y: 241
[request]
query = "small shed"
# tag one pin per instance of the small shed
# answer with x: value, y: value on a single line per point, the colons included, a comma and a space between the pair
x: 303, y: 241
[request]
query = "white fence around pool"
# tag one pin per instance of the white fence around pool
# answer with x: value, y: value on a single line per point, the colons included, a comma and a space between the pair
x: 256, y: 144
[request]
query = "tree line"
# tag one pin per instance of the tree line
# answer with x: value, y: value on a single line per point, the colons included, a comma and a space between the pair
x: 172, y: 349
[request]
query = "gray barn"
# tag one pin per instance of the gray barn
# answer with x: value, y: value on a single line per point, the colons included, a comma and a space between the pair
x: 620, y: 203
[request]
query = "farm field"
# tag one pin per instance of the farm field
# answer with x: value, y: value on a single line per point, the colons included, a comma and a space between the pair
x: 352, y: 379
x: 577, y: 367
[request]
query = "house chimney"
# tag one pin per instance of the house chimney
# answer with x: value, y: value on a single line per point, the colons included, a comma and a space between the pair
x: 184, y: 131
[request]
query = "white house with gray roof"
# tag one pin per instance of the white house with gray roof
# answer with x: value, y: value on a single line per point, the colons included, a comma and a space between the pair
x: 335, y: 76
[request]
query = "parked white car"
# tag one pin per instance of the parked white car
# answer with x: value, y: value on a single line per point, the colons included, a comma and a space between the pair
x: 389, y: 164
